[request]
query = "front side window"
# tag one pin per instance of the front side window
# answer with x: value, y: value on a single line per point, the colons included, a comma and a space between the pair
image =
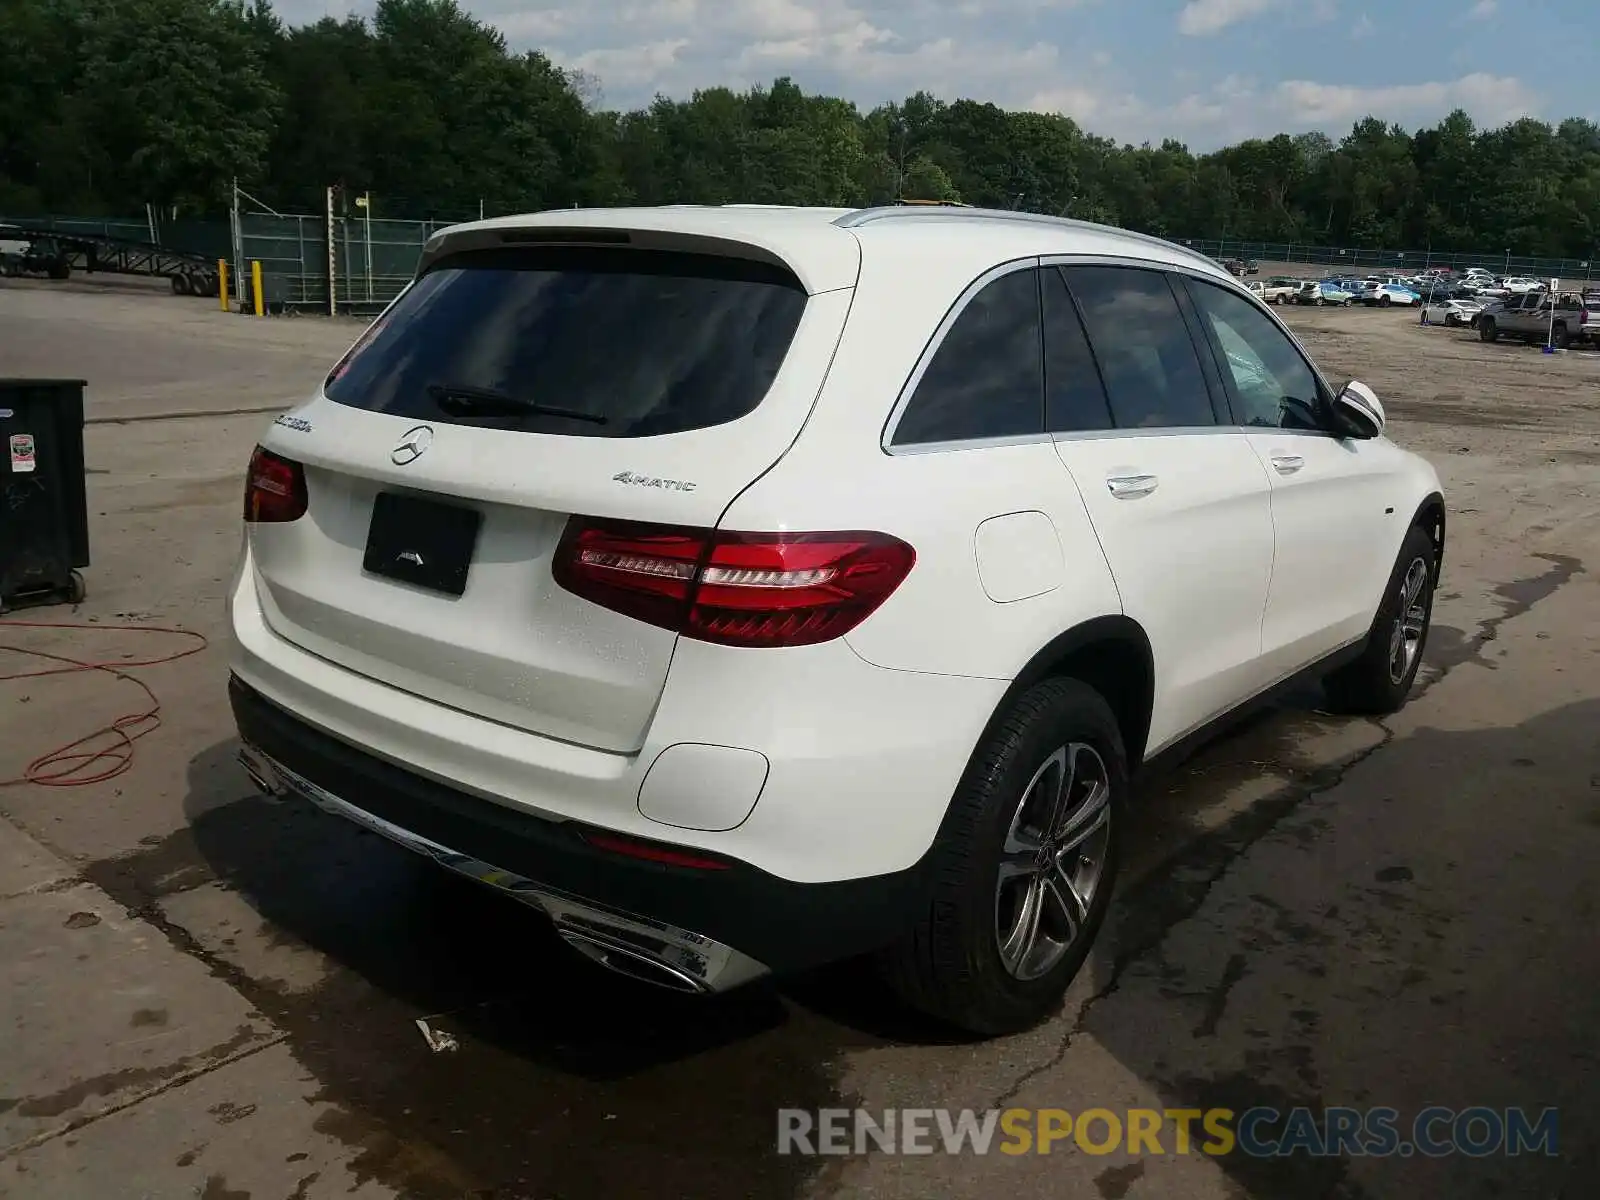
x: 1269, y: 382
x: 986, y: 379
x: 1147, y: 358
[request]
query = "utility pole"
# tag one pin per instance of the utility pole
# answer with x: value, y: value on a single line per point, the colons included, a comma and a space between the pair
x: 364, y: 203
x: 237, y: 221
x: 333, y: 266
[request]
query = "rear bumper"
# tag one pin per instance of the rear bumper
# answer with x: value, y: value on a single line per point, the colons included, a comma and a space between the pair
x: 861, y: 761
x: 712, y: 929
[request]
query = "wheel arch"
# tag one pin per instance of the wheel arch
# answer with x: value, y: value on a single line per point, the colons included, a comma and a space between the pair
x: 1109, y: 653
x: 1430, y: 515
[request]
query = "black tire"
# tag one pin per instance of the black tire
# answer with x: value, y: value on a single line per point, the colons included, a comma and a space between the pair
x: 180, y: 285
x: 1559, y: 337
x: 950, y: 964
x: 1380, y: 680
x: 76, y: 588
x: 1385, y: 300
x: 1487, y: 332
x: 1451, y: 319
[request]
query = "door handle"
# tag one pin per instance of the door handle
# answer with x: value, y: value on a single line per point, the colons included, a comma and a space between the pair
x: 1129, y: 487
x: 1287, y: 464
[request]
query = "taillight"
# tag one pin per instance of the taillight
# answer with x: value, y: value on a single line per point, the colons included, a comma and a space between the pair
x: 734, y: 589
x: 656, y: 852
x: 274, y: 488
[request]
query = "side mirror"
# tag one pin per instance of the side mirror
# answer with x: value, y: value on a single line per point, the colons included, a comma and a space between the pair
x: 1359, y: 413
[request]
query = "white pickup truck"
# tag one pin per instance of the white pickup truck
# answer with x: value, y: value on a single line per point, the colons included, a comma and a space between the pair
x: 1529, y: 316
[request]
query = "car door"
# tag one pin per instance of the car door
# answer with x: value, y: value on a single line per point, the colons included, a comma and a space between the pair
x: 1179, y: 501
x: 1336, y: 502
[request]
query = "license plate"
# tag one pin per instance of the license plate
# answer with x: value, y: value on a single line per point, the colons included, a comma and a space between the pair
x: 422, y: 542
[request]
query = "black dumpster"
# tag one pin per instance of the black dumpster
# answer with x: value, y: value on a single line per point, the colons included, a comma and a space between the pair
x: 44, y: 512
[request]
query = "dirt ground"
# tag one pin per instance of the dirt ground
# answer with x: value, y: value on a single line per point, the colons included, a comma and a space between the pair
x: 207, y: 994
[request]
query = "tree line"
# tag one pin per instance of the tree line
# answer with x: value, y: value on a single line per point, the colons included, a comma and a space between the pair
x: 107, y: 105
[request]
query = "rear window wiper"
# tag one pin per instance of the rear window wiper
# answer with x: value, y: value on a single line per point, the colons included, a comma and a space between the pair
x: 467, y: 400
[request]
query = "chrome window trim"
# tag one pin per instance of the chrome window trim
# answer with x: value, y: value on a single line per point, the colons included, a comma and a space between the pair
x: 909, y: 388
x: 1020, y: 439
x: 1100, y: 435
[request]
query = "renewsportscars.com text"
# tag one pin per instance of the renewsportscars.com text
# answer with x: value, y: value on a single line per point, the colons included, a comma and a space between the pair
x: 1263, y: 1132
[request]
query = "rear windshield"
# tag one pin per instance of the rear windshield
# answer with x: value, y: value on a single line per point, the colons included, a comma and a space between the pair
x: 618, y: 342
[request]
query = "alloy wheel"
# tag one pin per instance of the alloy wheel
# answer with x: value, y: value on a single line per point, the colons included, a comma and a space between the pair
x: 1052, y: 861
x: 1405, y: 638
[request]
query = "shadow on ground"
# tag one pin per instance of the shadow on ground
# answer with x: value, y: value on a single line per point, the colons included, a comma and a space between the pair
x: 1431, y: 941
x: 573, y: 1082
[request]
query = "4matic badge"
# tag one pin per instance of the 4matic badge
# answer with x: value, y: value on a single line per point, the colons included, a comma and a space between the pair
x: 651, y: 481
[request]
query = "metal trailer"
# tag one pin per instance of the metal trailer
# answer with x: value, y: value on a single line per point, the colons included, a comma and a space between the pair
x: 56, y: 255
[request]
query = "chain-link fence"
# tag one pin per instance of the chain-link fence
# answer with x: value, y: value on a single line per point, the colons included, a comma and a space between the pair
x: 368, y: 261
x: 1353, y: 257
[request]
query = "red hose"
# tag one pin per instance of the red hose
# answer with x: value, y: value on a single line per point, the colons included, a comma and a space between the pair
x: 75, y: 763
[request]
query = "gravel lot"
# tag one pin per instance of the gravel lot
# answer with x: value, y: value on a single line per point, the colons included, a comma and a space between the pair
x: 210, y: 995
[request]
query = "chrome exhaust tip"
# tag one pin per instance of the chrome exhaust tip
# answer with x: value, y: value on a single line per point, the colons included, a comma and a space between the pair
x: 635, y: 964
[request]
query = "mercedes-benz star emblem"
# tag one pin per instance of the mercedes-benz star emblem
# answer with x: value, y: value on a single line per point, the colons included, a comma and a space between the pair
x: 412, y: 446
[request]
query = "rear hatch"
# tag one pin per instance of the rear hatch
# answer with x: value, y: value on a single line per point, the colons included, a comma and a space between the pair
x: 509, y: 390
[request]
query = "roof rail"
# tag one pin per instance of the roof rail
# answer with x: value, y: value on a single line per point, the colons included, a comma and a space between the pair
x: 944, y: 211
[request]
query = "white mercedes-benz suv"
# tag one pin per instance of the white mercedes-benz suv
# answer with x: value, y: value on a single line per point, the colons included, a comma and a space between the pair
x: 748, y: 588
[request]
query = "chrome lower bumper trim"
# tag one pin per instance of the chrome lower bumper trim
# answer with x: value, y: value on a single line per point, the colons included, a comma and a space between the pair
x: 632, y: 945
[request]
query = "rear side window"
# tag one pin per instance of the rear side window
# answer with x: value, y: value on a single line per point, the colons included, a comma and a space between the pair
x: 577, y: 341
x: 986, y: 379
x: 1147, y: 358
x: 1074, y: 400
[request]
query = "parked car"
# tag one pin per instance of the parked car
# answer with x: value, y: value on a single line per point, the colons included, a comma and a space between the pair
x: 1385, y: 294
x: 1446, y: 311
x: 1234, y: 266
x: 13, y: 252
x: 1251, y: 266
x: 1280, y: 289
x: 1529, y: 316
x: 1324, y: 292
x: 642, y: 578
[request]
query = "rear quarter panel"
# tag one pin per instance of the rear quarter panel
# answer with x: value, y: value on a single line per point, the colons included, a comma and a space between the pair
x: 837, y: 476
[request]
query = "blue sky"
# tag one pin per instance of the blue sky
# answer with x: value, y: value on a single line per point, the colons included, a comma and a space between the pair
x: 1208, y: 72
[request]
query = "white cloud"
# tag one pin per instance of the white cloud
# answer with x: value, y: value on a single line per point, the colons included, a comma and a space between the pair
x: 631, y: 66
x: 1363, y: 28
x: 1043, y: 55
x: 1482, y: 10
x: 1490, y: 98
x: 1201, y: 18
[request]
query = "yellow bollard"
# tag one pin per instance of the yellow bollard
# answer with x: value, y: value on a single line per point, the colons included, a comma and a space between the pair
x: 222, y: 284
x: 255, y: 287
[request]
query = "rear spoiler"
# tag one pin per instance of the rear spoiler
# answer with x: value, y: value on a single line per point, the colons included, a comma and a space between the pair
x: 822, y: 258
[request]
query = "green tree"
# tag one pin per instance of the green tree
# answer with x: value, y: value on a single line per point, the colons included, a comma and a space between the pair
x: 177, y: 96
